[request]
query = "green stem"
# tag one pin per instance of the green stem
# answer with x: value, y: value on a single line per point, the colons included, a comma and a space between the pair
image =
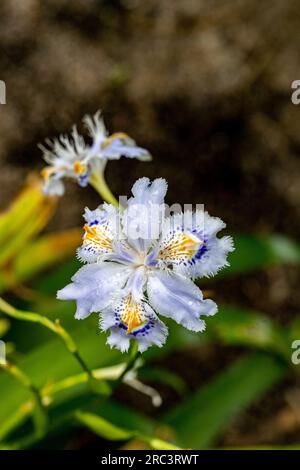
x: 98, y: 182
x: 50, y: 390
x: 104, y: 373
x: 55, y: 327
x: 40, y: 416
x: 133, y: 356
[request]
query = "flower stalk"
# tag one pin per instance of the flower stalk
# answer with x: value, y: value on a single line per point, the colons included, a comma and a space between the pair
x: 97, y: 180
x: 56, y: 328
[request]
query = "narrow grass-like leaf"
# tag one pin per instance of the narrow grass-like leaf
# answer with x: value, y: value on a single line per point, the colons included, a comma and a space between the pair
x: 202, y: 416
x: 102, y: 427
x: 40, y: 418
x: 116, y: 414
x: 16, y: 418
x: 109, y: 431
x: 4, y: 326
x: 51, y: 362
x: 45, y: 252
x: 29, y: 230
x: 158, y: 444
x: 49, y: 365
x: 257, y: 252
x: 161, y: 375
x: 23, y: 209
x: 56, y: 327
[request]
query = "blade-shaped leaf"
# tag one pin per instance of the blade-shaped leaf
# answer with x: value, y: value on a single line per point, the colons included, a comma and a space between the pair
x: 239, y: 326
x: 23, y: 209
x: 45, y: 252
x: 52, y: 362
x: 205, y: 414
x: 256, y: 252
x: 102, y: 427
x: 107, y: 430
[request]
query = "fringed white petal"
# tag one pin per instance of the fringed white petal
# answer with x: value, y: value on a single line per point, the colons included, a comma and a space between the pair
x: 125, y: 148
x: 95, y: 126
x: 71, y: 155
x: 101, y: 229
x: 143, y: 217
x: 142, y: 265
x: 189, y: 244
x: 178, y: 298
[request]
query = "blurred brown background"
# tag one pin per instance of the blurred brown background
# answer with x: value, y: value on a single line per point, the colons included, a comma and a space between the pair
x: 204, y: 85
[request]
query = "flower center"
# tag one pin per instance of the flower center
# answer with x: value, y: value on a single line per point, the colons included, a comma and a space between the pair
x: 79, y: 168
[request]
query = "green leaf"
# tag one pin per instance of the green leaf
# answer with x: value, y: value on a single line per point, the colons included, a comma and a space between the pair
x: 159, y: 444
x: 4, y: 326
x: 45, y: 252
x: 51, y: 362
x: 57, y: 328
x: 57, y: 278
x: 200, y: 418
x: 15, y: 235
x: 23, y: 209
x: 109, y: 431
x: 161, y: 375
x: 39, y: 414
x: 123, y: 416
x: 256, y: 252
x: 102, y: 427
x: 16, y: 418
x: 239, y: 326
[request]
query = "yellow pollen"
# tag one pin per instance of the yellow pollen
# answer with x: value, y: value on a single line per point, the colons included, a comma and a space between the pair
x: 97, y: 235
x: 117, y: 135
x: 181, y: 246
x: 132, y: 316
x: 79, y: 168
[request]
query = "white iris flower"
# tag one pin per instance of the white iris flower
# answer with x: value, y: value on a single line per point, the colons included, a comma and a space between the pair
x: 72, y: 157
x: 141, y: 263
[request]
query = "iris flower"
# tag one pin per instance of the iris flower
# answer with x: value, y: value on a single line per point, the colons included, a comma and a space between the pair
x: 141, y: 263
x: 71, y: 157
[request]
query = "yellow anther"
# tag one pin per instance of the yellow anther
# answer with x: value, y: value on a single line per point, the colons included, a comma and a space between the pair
x: 79, y: 168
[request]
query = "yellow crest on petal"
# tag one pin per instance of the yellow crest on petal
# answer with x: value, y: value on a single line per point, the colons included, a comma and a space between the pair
x: 181, y: 246
x: 98, y: 236
x: 116, y: 136
x: 131, y: 314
